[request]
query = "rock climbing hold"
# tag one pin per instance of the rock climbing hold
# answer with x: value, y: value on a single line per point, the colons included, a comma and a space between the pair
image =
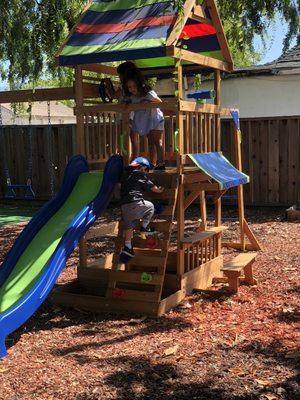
x: 146, y: 278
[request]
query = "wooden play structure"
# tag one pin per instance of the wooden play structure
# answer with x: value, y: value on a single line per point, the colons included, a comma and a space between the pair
x: 174, y: 43
x: 163, y: 271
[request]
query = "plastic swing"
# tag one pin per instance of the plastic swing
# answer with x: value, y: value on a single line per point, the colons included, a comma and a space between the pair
x: 25, y: 191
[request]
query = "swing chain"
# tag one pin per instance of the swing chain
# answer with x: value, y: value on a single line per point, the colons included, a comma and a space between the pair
x: 50, y: 151
x: 30, y: 161
x: 2, y: 141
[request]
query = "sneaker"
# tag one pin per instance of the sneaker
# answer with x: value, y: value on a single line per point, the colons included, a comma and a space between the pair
x: 126, y: 255
x: 160, y: 167
x: 147, y: 230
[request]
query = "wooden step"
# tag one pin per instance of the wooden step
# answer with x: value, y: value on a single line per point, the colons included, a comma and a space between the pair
x: 148, y: 261
x: 137, y: 277
x: 239, y: 262
x: 141, y: 243
x: 234, y: 268
x: 217, y: 229
x: 136, y: 295
x: 143, y: 261
x: 103, y: 230
x: 159, y: 226
x: 162, y: 226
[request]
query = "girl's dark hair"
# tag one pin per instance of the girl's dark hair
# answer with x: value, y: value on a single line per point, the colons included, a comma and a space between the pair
x: 136, y: 76
x: 124, y: 67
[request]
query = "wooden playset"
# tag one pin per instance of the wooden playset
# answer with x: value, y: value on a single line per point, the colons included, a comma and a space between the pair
x: 163, y: 41
x: 161, y: 274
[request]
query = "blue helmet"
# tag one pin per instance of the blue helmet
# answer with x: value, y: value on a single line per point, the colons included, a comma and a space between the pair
x: 142, y: 162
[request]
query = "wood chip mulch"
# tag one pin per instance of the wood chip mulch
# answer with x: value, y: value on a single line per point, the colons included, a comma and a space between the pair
x: 211, y: 347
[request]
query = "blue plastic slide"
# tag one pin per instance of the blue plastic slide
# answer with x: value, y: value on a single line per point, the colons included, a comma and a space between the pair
x: 216, y: 166
x: 39, y: 254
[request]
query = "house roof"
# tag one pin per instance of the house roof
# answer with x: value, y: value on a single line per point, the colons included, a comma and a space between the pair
x: 287, y: 63
x: 118, y: 30
x: 40, y: 109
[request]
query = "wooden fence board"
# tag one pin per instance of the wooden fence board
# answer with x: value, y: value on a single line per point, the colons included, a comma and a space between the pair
x: 273, y: 170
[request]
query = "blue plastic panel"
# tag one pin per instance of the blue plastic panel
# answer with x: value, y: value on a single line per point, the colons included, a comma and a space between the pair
x: 216, y: 166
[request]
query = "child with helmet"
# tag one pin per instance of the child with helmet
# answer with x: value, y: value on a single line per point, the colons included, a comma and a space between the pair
x: 135, y: 208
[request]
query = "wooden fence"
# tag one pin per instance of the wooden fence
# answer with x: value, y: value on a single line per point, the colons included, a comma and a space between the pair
x: 270, y: 149
x: 61, y: 141
x: 271, y: 157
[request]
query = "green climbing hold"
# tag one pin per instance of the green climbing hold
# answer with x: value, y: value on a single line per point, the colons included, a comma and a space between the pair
x: 146, y: 278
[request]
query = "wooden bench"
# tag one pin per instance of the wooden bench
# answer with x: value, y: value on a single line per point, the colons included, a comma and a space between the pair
x: 234, y: 268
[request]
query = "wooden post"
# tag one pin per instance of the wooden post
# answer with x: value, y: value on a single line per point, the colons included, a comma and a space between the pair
x: 83, y: 252
x: 78, y: 86
x: 240, y: 189
x: 218, y: 204
x: 203, y: 213
x: 126, y: 137
x: 180, y: 196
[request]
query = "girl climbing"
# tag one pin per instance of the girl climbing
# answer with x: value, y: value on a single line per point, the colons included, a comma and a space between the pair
x: 148, y: 123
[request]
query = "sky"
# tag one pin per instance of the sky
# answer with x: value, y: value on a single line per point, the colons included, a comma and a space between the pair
x: 275, y: 42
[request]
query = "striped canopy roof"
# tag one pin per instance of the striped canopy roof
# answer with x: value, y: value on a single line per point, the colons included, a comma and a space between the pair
x: 118, y: 30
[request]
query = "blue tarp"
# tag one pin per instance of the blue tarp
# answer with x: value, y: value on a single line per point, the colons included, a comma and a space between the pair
x: 220, y: 169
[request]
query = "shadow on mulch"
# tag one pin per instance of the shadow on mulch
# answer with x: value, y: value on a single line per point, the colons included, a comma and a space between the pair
x: 277, y: 352
x: 140, y: 379
x: 48, y: 318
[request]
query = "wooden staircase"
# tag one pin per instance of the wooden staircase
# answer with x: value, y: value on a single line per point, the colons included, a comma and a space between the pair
x: 143, y: 277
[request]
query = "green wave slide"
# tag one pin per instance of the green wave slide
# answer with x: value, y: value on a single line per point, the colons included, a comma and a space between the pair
x: 34, y: 263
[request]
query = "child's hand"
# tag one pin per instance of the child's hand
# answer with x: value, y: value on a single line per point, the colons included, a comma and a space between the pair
x: 157, y: 189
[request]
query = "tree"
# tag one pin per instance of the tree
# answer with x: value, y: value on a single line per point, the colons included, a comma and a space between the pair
x: 243, y: 19
x: 31, y: 32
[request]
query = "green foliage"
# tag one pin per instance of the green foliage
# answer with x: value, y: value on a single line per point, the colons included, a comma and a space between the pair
x: 32, y: 31
x: 243, y: 19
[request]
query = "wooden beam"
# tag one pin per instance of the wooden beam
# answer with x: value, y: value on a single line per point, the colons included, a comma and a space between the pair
x: 210, y: 187
x: 199, y: 59
x: 226, y: 112
x: 100, y: 69
x: 215, y: 16
x: 203, y: 211
x: 190, y: 198
x: 198, y: 15
x: 127, y: 108
x: 240, y: 188
x: 238, y: 246
x: 180, y: 23
x: 250, y: 235
x: 83, y: 252
x: 217, y: 197
x: 78, y: 85
x: 193, y: 106
x: 22, y: 96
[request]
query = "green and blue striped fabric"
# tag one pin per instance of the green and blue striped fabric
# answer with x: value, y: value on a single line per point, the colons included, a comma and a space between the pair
x: 117, y: 30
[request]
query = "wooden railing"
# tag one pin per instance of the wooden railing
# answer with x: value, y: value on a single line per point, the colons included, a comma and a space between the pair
x: 106, y: 128
x: 198, y: 252
x: 201, y: 132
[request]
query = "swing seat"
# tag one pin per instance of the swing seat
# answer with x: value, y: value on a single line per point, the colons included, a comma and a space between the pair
x: 28, y: 193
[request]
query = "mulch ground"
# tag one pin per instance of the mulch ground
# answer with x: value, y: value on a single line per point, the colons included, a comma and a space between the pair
x: 212, y: 347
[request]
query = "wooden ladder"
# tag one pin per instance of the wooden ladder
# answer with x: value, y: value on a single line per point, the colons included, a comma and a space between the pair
x: 142, y: 278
